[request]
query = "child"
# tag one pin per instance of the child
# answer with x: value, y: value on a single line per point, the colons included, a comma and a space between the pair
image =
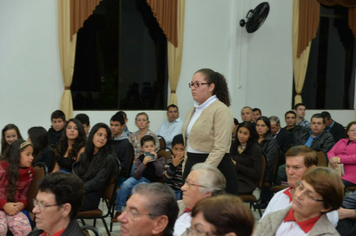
x: 148, y: 168
x: 173, y: 169
x: 58, y: 120
x: 9, y: 134
x: 84, y: 119
x: 16, y: 174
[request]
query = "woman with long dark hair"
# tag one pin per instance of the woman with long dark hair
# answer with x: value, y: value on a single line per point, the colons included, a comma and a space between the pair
x: 247, y: 155
x: 71, y: 146
x: 96, y: 165
x: 42, y: 152
x: 16, y: 175
x: 9, y: 134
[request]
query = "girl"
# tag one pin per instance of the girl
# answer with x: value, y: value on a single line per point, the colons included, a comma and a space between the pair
x: 96, y: 165
x: 10, y: 133
x: 16, y: 174
x: 42, y: 152
x: 71, y: 145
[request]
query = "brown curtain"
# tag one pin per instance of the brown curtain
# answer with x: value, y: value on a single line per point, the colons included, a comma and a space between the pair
x: 165, y: 11
x: 80, y: 10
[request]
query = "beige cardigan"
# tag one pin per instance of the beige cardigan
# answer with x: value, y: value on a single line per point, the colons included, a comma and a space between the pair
x: 211, y: 132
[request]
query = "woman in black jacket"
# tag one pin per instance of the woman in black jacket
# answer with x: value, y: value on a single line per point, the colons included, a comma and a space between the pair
x: 96, y: 165
x: 247, y: 155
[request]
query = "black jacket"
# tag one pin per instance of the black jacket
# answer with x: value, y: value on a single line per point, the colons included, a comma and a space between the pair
x: 270, y: 148
x: 54, y: 137
x: 337, y: 131
x: 72, y: 229
x: 284, y: 140
x: 122, y: 148
x: 324, y: 142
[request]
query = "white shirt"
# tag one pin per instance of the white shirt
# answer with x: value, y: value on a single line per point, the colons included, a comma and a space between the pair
x: 281, y: 201
x: 168, y: 130
x: 182, y: 223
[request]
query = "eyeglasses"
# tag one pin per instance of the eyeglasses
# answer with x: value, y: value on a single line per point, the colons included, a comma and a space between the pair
x: 300, y: 188
x: 41, y: 205
x: 196, y: 84
x: 134, y: 214
x: 191, y: 231
x: 190, y: 184
x: 352, y: 130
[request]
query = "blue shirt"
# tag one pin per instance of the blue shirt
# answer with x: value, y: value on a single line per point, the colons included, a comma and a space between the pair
x: 311, y: 139
x: 169, y: 130
x: 304, y: 123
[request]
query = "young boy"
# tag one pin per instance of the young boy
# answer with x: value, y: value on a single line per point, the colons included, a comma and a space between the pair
x: 58, y: 120
x: 120, y: 141
x: 148, y: 168
x: 84, y: 119
x: 173, y: 168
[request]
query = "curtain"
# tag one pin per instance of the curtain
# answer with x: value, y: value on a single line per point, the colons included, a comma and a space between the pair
x: 304, y: 28
x: 67, y: 54
x: 175, y: 54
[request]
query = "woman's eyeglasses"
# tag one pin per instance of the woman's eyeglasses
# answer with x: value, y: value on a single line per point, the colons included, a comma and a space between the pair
x: 196, y: 84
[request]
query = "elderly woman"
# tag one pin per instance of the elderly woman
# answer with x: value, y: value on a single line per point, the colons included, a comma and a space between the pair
x: 202, y: 182
x: 320, y: 191
x: 221, y: 215
x: 207, y: 128
x: 344, y: 152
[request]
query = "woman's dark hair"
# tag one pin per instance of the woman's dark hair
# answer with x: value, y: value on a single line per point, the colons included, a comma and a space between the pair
x: 221, y: 90
x: 39, y: 139
x: 267, y: 122
x: 252, y: 139
x: 13, y: 156
x: 348, y: 127
x: 4, y: 144
x: 79, y: 142
x: 90, y: 164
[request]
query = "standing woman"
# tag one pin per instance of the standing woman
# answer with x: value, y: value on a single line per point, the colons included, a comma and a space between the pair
x: 96, y: 165
x: 42, y: 152
x: 142, y: 123
x: 207, y: 128
x: 246, y: 154
x: 16, y: 175
x: 71, y: 146
x: 9, y: 134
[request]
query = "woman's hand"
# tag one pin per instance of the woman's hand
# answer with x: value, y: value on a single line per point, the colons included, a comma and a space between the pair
x: 176, y: 160
x: 10, y: 208
x: 334, y: 162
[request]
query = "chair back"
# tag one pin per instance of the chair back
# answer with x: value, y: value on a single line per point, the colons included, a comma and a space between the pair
x: 92, y: 229
x: 322, y: 158
x: 110, y: 191
x: 165, y: 152
x: 40, y: 171
x: 263, y: 174
x: 162, y: 141
x: 275, y: 166
x: 127, y: 172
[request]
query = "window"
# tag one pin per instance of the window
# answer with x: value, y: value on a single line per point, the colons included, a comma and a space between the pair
x: 330, y: 76
x: 121, y: 59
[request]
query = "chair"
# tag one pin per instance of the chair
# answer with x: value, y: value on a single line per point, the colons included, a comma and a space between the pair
x: 322, y: 158
x: 92, y: 229
x: 109, y: 197
x: 165, y: 152
x: 129, y: 164
x: 252, y: 199
x: 162, y: 141
x: 40, y: 170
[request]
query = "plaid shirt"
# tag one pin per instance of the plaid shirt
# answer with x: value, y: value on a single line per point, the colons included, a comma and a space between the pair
x: 304, y: 123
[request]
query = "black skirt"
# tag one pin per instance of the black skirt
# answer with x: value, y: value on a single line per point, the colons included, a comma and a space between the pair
x: 226, y: 167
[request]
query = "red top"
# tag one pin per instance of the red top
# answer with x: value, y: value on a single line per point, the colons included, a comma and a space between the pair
x: 25, y: 179
x: 56, y: 234
x: 287, y: 192
x: 306, y: 225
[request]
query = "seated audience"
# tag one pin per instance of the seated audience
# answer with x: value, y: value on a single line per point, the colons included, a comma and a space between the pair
x: 283, y: 137
x: 256, y: 113
x: 203, y: 181
x: 42, y: 152
x: 148, y: 168
x: 84, y: 119
x: 246, y: 155
x: 120, y: 141
x: 334, y: 128
x: 247, y: 114
x: 299, y: 110
x: 291, y: 127
x: 319, y: 192
x: 96, y: 165
x: 57, y: 204
x: 150, y: 211
x: 126, y: 129
x: 298, y: 160
x: 142, y: 123
x: 9, y: 134
x: 173, y: 169
x: 222, y: 215
x: 16, y: 174
x: 172, y: 126
x: 71, y: 146
x: 58, y: 121
x: 344, y: 152
x: 347, y: 215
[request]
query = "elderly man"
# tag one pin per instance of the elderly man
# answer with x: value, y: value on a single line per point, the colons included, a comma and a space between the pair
x: 172, y: 126
x: 151, y: 210
x: 57, y: 203
x: 298, y: 160
x: 283, y: 137
x: 203, y: 181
